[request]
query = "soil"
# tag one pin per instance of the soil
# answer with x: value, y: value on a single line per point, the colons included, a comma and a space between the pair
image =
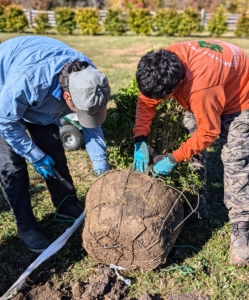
x: 131, y: 220
x: 105, y: 286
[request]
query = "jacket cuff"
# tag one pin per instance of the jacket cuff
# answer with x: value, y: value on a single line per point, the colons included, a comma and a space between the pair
x: 100, y: 165
x: 141, y: 138
x: 171, y: 158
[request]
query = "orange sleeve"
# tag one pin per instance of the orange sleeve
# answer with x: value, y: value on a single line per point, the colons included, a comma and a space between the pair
x: 145, y: 112
x: 207, y: 105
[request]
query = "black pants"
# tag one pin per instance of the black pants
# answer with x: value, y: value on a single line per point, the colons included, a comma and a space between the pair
x: 14, y: 174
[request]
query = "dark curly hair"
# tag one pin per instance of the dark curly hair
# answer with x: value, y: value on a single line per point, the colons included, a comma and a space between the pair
x: 68, y: 68
x: 159, y: 73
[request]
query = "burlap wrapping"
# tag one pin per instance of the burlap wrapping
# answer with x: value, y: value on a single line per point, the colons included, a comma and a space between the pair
x: 130, y: 219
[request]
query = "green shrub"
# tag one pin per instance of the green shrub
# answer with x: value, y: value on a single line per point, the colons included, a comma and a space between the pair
x: 190, y: 21
x: 242, y: 26
x: 2, y: 19
x: 165, y: 129
x: 217, y: 24
x: 88, y: 21
x: 114, y: 23
x: 41, y: 23
x: 16, y: 20
x: 140, y: 21
x: 65, y: 20
x: 121, y: 119
x: 166, y: 135
x: 166, y: 22
x: 232, y: 8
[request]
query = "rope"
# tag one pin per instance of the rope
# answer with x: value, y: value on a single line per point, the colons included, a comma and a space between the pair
x: 55, y: 214
x: 188, y: 269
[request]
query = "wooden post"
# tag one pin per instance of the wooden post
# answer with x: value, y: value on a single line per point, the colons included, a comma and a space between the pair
x: 30, y: 18
x: 203, y: 16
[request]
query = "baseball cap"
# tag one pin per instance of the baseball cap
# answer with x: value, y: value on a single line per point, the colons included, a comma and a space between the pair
x: 90, y: 93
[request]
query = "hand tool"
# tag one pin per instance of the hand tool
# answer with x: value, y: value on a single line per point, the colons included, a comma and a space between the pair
x: 62, y: 180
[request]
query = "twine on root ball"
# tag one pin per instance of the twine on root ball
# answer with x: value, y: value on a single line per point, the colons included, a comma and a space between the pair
x: 131, y: 220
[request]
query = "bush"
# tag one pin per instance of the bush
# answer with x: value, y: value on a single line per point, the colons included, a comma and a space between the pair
x: 120, y: 122
x: 65, y: 20
x: 166, y: 135
x: 217, y: 24
x: 2, y: 19
x: 165, y: 128
x: 242, y: 26
x: 16, y: 20
x: 140, y: 21
x: 41, y: 23
x: 88, y: 21
x: 114, y: 23
x: 166, y: 22
x: 190, y: 21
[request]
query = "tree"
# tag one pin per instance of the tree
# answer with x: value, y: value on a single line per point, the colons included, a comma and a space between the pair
x: 242, y: 26
x: 16, y: 20
x: 41, y: 23
x: 5, y: 2
x: 190, y: 21
x: 114, y: 23
x: 237, y: 6
x: 217, y: 24
x: 166, y: 21
x: 208, y: 5
x: 41, y: 4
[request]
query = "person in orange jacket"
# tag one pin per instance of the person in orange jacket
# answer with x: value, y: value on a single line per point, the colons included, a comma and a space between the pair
x: 210, y: 80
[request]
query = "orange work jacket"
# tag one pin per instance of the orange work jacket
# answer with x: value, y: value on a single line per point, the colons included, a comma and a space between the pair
x: 216, y: 83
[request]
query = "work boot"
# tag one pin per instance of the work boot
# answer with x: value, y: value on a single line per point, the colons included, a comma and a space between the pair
x: 34, y: 239
x: 69, y: 211
x: 201, y: 212
x: 239, y: 246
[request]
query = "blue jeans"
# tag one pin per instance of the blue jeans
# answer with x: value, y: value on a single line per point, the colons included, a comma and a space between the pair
x: 96, y: 148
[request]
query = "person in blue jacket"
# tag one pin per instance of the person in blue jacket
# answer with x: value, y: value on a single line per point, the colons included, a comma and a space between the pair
x: 41, y: 80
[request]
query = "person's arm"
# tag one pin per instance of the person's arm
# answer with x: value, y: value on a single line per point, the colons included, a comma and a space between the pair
x: 207, y: 106
x: 145, y: 112
x: 14, y: 100
x: 96, y: 149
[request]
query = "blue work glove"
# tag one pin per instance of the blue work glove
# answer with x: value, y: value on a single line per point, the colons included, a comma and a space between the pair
x: 164, y: 166
x: 44, y: 166
x: 141, y: 157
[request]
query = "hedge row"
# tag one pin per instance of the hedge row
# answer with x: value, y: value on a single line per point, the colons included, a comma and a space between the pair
x: 141, y: 21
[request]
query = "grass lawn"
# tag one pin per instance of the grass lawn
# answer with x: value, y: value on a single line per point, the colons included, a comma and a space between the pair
x: 202, y: 247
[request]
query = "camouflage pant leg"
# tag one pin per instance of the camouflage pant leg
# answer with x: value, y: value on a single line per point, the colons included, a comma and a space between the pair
x: 198, y: 161
x: 234, y: 140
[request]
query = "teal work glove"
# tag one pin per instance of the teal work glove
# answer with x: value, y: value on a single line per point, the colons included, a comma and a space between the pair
x: 164, y: 166
x: 141, y: 157
x: 44, y: 166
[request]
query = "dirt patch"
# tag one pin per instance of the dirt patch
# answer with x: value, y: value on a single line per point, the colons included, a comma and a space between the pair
x: 48, y: 291
x: 189, y: 296
x: 146, y: 296
x: 131, y: 220
x: 105, y: 286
